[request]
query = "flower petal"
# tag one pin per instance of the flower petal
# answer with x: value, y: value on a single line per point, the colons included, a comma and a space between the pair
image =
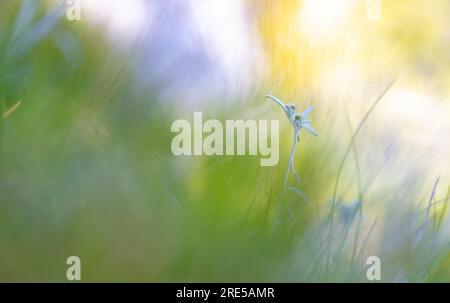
x: 309, y: 129
x: 286, y: 110
x: 307, y: 111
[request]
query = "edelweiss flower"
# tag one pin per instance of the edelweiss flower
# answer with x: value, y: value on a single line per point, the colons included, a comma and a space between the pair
x: 298, y: 121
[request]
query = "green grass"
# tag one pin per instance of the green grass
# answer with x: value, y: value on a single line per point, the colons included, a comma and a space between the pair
x: 86, y: 170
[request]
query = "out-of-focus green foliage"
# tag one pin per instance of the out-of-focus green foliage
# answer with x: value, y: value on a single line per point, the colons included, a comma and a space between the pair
x: 86, y: 170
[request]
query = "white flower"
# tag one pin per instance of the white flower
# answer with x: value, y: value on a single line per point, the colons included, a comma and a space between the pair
x: 301, y: 121
x: 298, y: 121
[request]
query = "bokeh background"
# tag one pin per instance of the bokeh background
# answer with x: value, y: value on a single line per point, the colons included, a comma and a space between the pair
x: 85, y: 162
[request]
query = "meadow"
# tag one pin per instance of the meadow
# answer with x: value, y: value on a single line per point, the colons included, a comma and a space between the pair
x: 86, y: 167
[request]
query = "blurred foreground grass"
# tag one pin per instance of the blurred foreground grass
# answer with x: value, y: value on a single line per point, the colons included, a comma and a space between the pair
x: 86, y: 170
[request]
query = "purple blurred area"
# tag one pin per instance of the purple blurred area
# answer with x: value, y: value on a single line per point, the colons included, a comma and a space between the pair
x: 188, y: 51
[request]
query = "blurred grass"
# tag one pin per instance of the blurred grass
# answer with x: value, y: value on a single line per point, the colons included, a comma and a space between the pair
x: 86, y: 170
